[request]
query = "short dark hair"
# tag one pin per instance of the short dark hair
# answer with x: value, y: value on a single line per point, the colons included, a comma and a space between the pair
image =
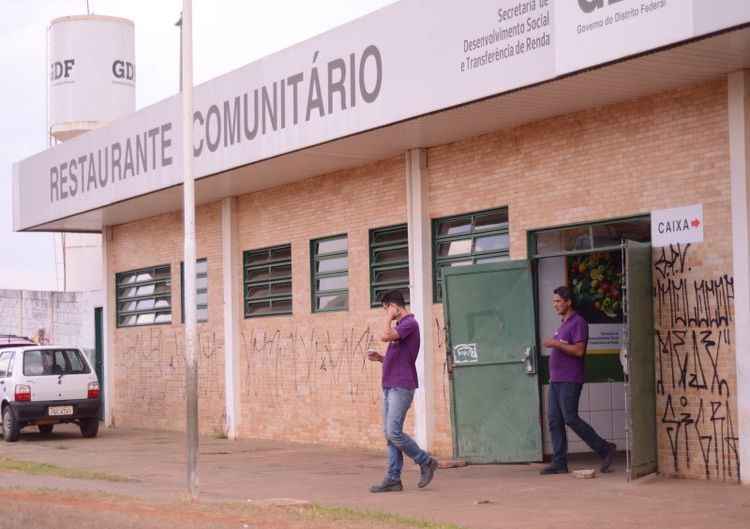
x: 565, y: 293
x: 395, y: 297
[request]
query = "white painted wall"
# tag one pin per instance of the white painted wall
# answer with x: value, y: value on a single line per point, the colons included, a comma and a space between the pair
x: 420, y: 284
x: 83, y: 257
x: 66, y: 317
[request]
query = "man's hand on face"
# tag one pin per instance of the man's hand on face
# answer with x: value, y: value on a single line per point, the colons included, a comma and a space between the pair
x: 392, y: 311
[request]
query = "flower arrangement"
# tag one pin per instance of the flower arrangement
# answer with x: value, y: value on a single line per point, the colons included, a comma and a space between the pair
x: 596, y: 280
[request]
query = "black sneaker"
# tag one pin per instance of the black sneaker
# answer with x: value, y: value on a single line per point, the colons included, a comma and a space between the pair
x: 427, y: 472
x: 608, y: 458
x: 388, y: 485
x: 553, y: 469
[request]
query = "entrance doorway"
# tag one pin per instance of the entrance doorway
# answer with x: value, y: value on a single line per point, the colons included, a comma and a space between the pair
x: 608, y: 268
x: 499, y: 374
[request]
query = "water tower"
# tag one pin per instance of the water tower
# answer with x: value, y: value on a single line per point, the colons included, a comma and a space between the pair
x: 90, y: 83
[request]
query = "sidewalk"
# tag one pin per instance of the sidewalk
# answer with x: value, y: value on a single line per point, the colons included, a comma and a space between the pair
x: 517, y: 496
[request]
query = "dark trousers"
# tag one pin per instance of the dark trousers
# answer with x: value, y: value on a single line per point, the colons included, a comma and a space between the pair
x: 563, y: 411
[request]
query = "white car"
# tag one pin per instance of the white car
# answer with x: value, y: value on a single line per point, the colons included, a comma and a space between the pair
x: 44, y: 385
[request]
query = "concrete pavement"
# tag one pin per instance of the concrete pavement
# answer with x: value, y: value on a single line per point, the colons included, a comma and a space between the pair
x: 516, y: 496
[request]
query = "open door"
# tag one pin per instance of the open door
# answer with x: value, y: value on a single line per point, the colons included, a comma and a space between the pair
x: 490, y: 327
x: 638, y: 361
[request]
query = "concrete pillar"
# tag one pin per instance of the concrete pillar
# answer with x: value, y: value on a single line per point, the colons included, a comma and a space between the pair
x: 232, y: 289
x: 420, y: 283
x: 108, y: 327
x: 739, y: 148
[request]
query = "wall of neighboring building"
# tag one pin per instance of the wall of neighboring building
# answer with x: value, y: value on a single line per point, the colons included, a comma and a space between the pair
x: 67, y: 318
x: 656, y: 152
x: 83, y: 253
x: 305, y: 377
x: 149, y: 365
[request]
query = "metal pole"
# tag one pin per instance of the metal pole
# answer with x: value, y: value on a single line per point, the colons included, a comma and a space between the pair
x: 188, y: 191
x: 179, y: 25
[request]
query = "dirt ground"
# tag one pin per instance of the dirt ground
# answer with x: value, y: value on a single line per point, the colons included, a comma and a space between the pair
x: 490, y: 496
x: 47, y: 509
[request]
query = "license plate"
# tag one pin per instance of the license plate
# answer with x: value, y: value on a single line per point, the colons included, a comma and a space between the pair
x: 55, y: 411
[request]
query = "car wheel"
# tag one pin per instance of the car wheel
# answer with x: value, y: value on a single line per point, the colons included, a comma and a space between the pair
x: 46, y: 429
x: 89, y: 427
x: 11, y: 429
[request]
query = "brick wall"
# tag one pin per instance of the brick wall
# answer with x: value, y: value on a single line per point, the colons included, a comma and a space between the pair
x: 149, y: 362
x: 305, y: 377
x: 657, y: 152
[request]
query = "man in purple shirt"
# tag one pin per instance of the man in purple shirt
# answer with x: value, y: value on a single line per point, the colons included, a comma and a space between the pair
x: 399, y: 383
x: 566, y: 376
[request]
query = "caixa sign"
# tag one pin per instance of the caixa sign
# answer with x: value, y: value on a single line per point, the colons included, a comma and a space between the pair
x: 123, y: 70
x: 61, y: 69
x: 589, y: 6
x: 677, y: 226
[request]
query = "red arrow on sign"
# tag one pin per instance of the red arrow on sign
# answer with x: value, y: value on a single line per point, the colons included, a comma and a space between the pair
x: 696, y: 223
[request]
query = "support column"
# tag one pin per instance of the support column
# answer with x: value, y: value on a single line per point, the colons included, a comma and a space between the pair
x: 108, y: 327
x: 739, y: 148
x: 420, y: 283
x: 231, y: 267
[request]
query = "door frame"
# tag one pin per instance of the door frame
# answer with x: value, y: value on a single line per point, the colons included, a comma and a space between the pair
x: 535, y: 258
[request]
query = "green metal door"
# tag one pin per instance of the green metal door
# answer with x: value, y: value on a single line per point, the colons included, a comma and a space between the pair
x: 489, y: 314
x: 639, y: 362
x: 99, y: 353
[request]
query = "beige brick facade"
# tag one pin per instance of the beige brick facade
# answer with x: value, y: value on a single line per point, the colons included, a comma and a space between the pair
x: 148, y: 362
x: 305, y: 377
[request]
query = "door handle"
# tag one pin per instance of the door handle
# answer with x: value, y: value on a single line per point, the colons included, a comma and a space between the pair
x: 529, y: 358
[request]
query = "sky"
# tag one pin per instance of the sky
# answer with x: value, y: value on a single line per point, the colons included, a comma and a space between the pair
x: 227, y: 34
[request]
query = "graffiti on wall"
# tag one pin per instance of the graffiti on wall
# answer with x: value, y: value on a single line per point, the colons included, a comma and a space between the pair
x: 694, y: 330
x: 153, y: 361
x: 311, y: 364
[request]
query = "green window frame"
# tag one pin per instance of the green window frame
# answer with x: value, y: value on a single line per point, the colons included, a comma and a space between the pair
x: 469, y: 239
x: 329, y: 273
x: 267, y: 281
x: 389, y: 262
x: 590, y: 237
x: 201, y: 290
x: 144, y: 296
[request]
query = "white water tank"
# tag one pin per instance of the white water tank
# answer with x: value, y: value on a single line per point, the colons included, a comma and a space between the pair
x: 91, y: 77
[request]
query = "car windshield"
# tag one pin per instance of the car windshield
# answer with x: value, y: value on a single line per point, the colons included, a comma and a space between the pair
x: 50, y: 362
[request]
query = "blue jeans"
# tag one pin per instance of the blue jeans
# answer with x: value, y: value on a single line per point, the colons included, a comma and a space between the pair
x: 396, y: 402
x: 563, y: 411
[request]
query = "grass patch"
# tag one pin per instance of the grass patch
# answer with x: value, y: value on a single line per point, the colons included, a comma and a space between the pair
x: 43, y: 469
x: 347, y: 514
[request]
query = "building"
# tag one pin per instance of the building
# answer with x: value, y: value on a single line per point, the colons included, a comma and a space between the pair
x: 417, y: 139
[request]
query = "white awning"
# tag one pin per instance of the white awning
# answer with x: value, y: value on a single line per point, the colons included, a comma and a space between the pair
x: 408, y: 90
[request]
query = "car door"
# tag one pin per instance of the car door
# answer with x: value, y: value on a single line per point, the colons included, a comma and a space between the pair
x: 73, y: 384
